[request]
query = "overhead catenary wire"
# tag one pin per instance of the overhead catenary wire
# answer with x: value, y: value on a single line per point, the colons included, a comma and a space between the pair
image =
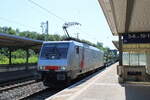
x: 48, y: 11
x: 53, y: 14
x: 87, y: 34
x: 14, y: 22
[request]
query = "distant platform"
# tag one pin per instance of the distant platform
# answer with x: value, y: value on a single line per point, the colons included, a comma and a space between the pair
x: 103, y: 85
x: 16, y: 75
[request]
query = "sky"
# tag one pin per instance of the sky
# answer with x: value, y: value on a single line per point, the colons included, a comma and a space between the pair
x: 24, y: 15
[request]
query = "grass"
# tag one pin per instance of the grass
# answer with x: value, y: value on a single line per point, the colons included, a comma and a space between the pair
x: 5, y: 60
x: 33, y: 59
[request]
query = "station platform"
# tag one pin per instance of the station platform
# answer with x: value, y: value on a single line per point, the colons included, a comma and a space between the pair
x: 103, y: 85
x: 16, y: 75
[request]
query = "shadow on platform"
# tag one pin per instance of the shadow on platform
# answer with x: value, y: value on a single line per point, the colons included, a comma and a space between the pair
x: 137, y: 92
x: 85, y: 78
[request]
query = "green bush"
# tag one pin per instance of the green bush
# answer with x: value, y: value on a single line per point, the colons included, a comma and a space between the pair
x: 18, y: 61
x: 5, y: 60
x: 33, y: 59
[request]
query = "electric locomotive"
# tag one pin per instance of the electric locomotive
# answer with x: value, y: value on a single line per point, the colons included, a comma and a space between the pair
x: 62, y: 61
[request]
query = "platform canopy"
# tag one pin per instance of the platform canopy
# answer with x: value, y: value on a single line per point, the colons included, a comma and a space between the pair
x: 12, y: 41
x: 127, y: 16
x: 116, y: 44
x: 141, y: 48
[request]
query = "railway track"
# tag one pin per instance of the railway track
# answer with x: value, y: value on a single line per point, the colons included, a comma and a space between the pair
x: 21, y: 90
x: 9, y: 87
x: 42, y: 95
x: 32, y: 90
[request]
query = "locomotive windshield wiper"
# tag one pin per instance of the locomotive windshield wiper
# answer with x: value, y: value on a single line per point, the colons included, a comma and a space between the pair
x: 57, y: 52
x: 53, y: 54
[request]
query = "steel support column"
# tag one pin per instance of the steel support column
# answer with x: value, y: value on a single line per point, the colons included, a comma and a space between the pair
x: 10, y: 61
x: 27, y: 58
x: 120, y: 50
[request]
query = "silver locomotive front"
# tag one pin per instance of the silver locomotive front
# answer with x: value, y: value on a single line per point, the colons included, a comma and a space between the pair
x: 53, y: 62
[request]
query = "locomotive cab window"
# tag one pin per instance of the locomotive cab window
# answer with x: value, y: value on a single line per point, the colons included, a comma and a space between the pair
x: 77, y: 50
x: 54, y: 51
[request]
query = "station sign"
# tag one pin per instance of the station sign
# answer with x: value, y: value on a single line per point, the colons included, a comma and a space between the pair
x: 136, y: 38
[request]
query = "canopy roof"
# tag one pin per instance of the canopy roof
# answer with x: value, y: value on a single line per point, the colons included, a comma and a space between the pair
x: 144, y: 48
x: 116, y: 44
x: 7, y: 40
x: 127, y: 16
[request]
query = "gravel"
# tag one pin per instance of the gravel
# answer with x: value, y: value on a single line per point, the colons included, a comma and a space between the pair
x: 22, y: 92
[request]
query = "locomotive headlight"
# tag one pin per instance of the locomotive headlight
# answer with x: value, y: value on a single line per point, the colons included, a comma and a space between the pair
x: 41, y: 67
x: 63, y: 67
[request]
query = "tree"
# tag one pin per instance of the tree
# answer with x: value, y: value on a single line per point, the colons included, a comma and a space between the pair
x: 8, y: 30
